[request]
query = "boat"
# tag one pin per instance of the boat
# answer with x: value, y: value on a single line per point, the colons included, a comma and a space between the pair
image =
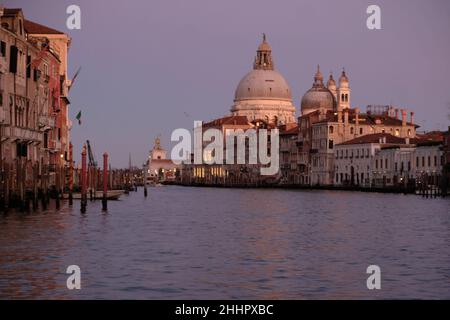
x: 110, y: 195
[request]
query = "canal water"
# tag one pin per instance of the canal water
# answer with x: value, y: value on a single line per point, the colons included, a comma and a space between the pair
x: 206, y: 243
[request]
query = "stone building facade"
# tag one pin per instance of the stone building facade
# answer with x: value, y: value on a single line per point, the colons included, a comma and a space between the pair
x: 327, y: 119
x: 34, y: 126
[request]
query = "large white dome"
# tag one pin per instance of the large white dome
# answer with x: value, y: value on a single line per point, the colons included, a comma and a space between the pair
x: 263, y: 84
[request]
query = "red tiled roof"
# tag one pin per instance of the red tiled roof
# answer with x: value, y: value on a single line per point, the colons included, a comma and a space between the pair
x: 375, y: 138
x: 432, y: 136
x: 36, y: 28
x: 229, y: 120
x: 290, y: 131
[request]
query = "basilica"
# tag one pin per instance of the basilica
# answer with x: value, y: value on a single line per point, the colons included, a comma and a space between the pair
x: 308, y: 142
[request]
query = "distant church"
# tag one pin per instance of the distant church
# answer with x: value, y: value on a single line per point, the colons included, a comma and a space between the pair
x: 159, y: 167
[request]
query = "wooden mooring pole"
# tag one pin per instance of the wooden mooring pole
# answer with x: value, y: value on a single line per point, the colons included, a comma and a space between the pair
x: 83, y: 180
x: 105, y: 182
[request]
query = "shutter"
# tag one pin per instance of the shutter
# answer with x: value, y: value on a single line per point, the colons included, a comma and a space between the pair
x: 13, y: 59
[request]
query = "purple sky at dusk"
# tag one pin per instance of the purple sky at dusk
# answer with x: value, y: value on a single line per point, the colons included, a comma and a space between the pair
x: 149, y: 67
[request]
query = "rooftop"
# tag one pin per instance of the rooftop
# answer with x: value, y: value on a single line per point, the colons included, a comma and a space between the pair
x: 36, y: 28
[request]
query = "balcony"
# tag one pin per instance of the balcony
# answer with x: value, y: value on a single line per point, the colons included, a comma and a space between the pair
x: 17, y: 133
x: 46, y: 122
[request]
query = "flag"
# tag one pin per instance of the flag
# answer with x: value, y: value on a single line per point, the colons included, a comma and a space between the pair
x: 78, y: 117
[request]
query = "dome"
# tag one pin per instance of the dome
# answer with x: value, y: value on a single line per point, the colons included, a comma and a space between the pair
x: 318, y: 96
x: 263, y: 84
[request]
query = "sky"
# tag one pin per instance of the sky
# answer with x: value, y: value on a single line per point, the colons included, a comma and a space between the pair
x: 149, y: 67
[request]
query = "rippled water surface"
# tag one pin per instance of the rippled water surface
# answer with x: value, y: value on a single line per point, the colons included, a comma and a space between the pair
x: 206, y: 243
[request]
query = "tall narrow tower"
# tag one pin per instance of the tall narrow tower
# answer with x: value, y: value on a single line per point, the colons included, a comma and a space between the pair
x: 343, y: 92
x: 331, y: 85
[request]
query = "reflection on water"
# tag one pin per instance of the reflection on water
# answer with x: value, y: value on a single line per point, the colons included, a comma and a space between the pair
x: 193, y: 243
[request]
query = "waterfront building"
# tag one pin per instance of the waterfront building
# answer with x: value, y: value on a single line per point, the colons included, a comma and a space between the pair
x: 235, y: 173
x: 161, y: 168
x: 34, y: 126
x: 383, y: 160
x: 446, y: 160
x: 328, y: 119
x: 289, y: 154
x: 354, y: 159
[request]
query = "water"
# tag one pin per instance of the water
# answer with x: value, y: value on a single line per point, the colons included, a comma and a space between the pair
x: 206, y: 243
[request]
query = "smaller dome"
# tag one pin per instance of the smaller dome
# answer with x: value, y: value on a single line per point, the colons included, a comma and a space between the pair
x: 318, y: 96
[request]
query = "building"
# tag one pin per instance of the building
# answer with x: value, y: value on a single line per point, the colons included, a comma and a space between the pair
x: 446, y: 161
x: 263, y: 93
x: 160, y: 168
x: 383, y: 160
x: 34, y: 126
x: 289, y: 154
x: 355, y: 163
x: 263, y: 100
x: 235, y: 173
x: 327, y: 119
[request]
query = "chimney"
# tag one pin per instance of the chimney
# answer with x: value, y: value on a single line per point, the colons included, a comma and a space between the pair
x: 357, y: 115
x: 403, y: 117
x: 412, y: 117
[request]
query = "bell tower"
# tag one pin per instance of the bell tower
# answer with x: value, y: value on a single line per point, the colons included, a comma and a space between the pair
x: 343, y: 97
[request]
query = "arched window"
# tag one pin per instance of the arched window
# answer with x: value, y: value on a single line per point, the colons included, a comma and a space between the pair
x: 331, y: 129
x: 351, y: 130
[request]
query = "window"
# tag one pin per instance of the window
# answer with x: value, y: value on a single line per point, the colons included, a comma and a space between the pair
x: 423, y: 161
x: 3, y: 48
x: 429, y: 161
x: 397, y: 132
x: 381, y: 163
x: 331, y: 129
x: 386, y: 163
x: 330, y: 144
x: 376, y: 164
x: 409, y: 165
x: 417, y: 162
x: 351, y: 130
x: 360, y: 130
x: 435, y: 161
